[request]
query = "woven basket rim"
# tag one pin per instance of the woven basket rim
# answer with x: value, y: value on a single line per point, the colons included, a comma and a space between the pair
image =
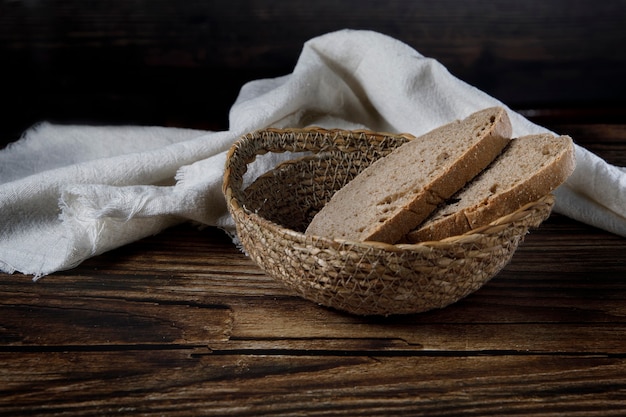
x: 467, y: 237
x: 493, y: 227
x: 363, y: 277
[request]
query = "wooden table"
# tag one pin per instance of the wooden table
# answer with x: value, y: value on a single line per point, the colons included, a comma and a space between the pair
x: 184, y: 324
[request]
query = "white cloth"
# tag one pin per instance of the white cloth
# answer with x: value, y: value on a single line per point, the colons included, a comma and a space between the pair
x: 71, y: 192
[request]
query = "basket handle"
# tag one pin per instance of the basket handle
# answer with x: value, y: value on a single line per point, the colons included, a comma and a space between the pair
x: 312, y: 139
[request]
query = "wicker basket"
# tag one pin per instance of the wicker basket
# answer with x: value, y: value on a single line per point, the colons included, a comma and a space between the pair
x: 365, y: 278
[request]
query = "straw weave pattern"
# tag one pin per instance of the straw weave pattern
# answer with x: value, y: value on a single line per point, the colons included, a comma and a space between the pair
x: 365, y: 278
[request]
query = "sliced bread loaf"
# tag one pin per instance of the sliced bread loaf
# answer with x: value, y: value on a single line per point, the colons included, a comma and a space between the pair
x: 396, y: 193
x: 529, y: 168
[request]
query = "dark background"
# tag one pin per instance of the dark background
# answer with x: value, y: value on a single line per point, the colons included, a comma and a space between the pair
x: 182, y: 62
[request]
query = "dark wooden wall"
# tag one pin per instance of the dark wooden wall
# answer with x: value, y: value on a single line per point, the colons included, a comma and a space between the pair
x: 181, y: 62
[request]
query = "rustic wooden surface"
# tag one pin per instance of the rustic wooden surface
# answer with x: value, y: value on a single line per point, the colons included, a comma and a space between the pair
x: 182, y: 323
x: 182, y: 63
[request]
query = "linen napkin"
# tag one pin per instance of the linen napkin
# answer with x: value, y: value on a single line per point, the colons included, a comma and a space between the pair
x: 71, y: 192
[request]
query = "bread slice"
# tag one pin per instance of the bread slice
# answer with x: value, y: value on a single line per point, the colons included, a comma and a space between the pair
x: 396, y: 193
x: 528, y: 169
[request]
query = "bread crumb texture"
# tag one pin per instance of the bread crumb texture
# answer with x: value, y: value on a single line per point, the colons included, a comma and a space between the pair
x: 529, y: 168
x: 398, y: 192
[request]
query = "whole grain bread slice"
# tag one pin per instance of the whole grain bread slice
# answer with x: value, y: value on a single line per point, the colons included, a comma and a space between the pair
x: 396, y: 193
x: 528, y: 169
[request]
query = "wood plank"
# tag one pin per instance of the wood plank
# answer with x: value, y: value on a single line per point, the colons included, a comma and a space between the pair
x: 248, y: 33
x: 182, y: 63
x: 193, y: 382
x: 158, y: 290
x: 183, y: 323
x: 73, y: 321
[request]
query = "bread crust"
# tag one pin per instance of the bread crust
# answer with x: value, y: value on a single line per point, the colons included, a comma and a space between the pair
x: 528, y: 169
x: 398, y: 192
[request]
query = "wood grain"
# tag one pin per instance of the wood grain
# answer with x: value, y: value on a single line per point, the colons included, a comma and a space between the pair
x: 183, y: 323
x: 201, y: 383
x: 166, y: 62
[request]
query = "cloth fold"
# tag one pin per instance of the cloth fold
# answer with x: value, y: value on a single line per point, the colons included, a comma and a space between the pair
x: 71, y: 192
